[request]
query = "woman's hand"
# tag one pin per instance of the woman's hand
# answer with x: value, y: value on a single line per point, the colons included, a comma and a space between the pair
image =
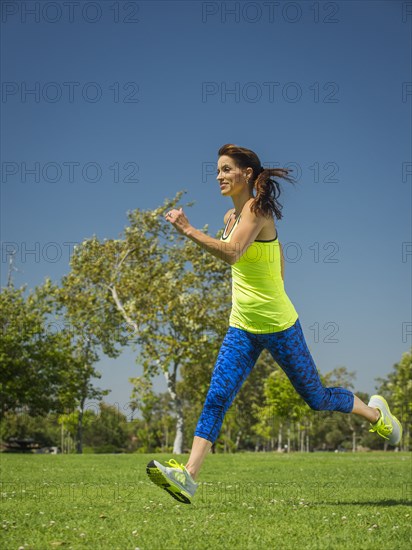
x: 178, y: 219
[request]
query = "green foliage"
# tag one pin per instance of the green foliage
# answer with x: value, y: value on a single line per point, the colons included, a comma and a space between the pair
x: 151, y: 289
x: 397, y: 389
x: 160, y: 293
x: 283, y: 414
x: 34, y: 360
x: 243, y: 416
x: 107, y: 431
x: 280, y: 406
x: 154, y: 432
x: 104, y: 431
x: 44, y: 430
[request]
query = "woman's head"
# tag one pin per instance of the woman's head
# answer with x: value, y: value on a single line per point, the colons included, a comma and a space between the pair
x: 239, y: 167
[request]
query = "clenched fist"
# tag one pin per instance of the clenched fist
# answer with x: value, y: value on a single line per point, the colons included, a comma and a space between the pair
x: 179, y: 220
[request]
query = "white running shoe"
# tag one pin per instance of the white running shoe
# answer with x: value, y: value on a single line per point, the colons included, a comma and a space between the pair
x: 174, y: 479
x: 387, y: 426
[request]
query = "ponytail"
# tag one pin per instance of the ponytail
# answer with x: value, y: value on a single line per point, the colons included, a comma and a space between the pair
x: 268, y: 191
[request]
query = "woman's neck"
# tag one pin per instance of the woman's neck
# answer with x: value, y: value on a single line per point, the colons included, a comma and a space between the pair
x: 239, y: 202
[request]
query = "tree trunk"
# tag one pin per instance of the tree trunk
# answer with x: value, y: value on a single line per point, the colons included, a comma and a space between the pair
x: 354, y: 441
x: 177, y: 404
x: 62, y: 437
x: 178, y: 442
x: 226, y: 447
x: 166, y: 438
x: 239, y: 433
x: 288, y: 439
x: 170, y: 378
x: 79, y: 434
x: 280, y: 438
x: 404, y: 445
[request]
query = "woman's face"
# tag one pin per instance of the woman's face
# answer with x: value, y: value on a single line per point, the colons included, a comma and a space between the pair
x: 231, y: 178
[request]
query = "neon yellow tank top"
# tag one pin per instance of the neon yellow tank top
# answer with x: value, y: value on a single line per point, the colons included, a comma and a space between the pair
x: 259, y: 302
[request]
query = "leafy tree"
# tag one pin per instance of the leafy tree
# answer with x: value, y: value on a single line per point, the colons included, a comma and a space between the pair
x: 34, y: 360
x: 162, y: 289
x: 69, y: 428
x: 397, y: 389
x: 44, y: 429
x: 245, y: 409
x: 153, y: 432
x: 332, y: 428
x: 44, y: 369
x: 188, y: 319
x: 108, y: 431
x: 93, y: 323
x: 281, y: 402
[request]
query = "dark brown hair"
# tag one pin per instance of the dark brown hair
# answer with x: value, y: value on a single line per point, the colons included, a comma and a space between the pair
x: 267, y: 189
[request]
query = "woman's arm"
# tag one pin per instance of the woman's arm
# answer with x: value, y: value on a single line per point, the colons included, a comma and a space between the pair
x: 243, y: 235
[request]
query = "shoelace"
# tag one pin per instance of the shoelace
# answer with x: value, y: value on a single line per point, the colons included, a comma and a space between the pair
x: 173, y: 464
x: 180, y: 475
x: 382, y: 428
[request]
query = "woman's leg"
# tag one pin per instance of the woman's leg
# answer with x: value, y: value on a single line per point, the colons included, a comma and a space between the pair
x: 370, y: 413
x: 290, y: 351
x: 237, y: 356
x: 200, y: 449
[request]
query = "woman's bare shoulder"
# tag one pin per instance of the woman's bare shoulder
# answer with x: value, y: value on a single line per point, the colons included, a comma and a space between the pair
x: 268, y: 230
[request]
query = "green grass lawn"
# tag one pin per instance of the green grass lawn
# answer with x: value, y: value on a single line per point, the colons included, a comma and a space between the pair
x: 246, y: 501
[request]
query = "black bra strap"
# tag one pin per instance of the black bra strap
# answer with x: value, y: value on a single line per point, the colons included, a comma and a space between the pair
x: 269, y: 241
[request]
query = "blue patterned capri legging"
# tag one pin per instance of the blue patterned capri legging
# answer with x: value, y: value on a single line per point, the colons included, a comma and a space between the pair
x: 237, y: 356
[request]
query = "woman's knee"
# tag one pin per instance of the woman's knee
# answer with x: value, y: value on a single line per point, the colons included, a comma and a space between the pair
x: 318, y: 401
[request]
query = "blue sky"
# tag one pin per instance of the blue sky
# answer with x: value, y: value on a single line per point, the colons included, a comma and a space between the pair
x: 130, y: 102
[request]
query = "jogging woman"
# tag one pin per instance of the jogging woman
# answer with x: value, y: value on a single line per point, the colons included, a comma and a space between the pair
x: 262, y: 316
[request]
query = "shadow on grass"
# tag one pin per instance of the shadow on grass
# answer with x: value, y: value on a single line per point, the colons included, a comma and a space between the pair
x: 314, y: 503
x: 387, y: 502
